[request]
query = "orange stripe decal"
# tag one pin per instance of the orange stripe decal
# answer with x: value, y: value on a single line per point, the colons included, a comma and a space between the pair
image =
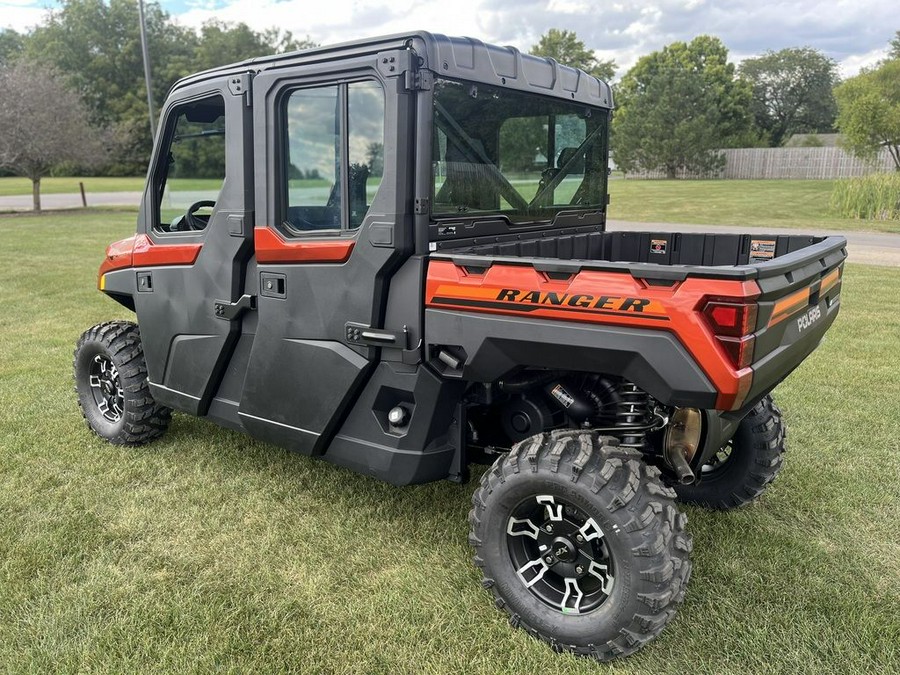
x: 830, y: 279
x: 800, y: 300
x: 271, y: 248
x: 784, y: 308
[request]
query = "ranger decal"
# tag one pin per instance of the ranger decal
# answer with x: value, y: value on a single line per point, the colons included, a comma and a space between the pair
x: 528, y: 300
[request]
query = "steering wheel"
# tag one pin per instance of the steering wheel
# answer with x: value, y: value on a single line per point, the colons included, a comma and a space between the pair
x: 193, y: 221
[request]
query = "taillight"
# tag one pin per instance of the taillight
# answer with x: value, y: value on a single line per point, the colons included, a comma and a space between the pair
x: 733, y: 322
x: 727, y: 317
x: 739, y: 349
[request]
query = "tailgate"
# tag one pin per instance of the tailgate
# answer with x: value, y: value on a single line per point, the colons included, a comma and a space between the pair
x: 799, y: 300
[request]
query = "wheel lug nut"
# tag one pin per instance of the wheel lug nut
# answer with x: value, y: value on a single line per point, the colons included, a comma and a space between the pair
x: 579, y: 569
x: 549, y: 528
x: 549, y: 558
x: 579, y: 538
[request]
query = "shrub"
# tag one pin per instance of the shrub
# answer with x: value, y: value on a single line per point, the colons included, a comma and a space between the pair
x: 872, y: 197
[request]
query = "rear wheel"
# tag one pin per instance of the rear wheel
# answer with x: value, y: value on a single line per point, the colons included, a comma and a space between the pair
x: 111, y: 383
x: 580, y: 543
x: 744, y: 467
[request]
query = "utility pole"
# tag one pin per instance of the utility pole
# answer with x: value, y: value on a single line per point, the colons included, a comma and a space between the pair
x: 147, y: 77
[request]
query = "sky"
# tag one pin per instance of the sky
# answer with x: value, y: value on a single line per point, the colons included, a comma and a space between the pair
x: 855, y: 33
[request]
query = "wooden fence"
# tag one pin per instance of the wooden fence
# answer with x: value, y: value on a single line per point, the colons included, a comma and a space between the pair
x: 812, y: 163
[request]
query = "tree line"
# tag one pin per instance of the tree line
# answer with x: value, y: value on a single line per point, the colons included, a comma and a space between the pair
x: 75, y: 99
x: 676, y: 107
x: 93, y: 48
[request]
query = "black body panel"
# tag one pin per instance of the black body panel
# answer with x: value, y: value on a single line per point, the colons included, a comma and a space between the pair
x: 303, y: 374
x: 421, y: 451
x: 186, y: 345
x: 496, y: 345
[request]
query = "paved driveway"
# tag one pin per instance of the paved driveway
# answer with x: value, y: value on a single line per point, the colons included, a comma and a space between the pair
x: 71, y: 201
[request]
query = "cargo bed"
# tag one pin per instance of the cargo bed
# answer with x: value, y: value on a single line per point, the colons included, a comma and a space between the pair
x: 652, y: 288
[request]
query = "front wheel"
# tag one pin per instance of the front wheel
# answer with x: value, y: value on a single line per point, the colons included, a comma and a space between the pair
x: 581, y: 543
x: 111, y: 383
x: 744, y: 467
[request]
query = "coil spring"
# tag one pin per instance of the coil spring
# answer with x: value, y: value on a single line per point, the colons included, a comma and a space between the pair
x: 632, y: 408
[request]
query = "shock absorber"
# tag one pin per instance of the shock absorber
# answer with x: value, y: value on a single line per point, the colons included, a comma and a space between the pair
x: 632, y: 409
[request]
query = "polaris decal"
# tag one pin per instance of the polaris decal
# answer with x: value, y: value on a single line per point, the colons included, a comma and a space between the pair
x: 809, y: 319
x: 527, y: 300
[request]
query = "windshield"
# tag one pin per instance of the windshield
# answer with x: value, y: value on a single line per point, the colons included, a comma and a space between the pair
x: 523, y: 156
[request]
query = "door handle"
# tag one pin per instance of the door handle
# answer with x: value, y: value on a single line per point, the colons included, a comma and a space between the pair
x: 361, y: 334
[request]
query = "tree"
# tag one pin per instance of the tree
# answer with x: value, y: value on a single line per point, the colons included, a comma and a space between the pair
x: 220, y: 43
x: 97, y: 46
x: 44, y: 123
x: 10, y: 45
x: 895, y: 47
x: 678, y: 106
x: 869, y: 111
x: 792, y: 92
x: 375, y: 158
x: 566, y: 48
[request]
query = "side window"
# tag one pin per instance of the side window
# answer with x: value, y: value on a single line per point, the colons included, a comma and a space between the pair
x: 194, y: 166
x: 365, y: 101
x: 313, y: 160
x: 333, y: 155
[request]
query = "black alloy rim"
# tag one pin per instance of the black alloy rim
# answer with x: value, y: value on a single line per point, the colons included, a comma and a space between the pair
x: 560, y: 554
x: 106, y: 388
x: 717, y: 462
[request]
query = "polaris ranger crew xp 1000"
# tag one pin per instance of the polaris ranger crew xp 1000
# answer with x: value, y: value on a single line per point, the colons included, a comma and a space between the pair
x: 392, y: 254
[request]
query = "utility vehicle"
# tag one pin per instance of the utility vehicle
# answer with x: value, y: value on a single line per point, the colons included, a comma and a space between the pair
x: 392, y: 254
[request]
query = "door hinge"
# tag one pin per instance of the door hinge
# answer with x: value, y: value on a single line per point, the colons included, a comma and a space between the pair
x: 242, y: 85
x: 419, y: 79
x: 404, y: 62
x: 232, y: 310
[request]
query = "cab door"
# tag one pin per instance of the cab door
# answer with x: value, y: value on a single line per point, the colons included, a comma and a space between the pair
x: 197, y: 239
x: 331, y: 191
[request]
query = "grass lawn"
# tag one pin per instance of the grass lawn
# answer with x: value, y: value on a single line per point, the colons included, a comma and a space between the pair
x: 22, y: 186
x: 208, y: 550
x: 763, y: 203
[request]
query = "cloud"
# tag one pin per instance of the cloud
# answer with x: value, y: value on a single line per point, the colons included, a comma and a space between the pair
x: 853, y: 32
x: 21, y: 15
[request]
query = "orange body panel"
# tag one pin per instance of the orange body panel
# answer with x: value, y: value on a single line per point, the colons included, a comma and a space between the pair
x: 118, y: 255
x: 271, y: 248
x: 140, y: 251
x: 609, y: 298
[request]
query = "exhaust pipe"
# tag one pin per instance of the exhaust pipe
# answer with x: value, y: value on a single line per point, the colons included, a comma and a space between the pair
x: 675, y: 457
x: 681, y: 443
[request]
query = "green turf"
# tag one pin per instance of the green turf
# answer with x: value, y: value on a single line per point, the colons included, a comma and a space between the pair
x: 22, y: 186
x: 759, y: 203
x: 210, y: 551
x: 762, y: 203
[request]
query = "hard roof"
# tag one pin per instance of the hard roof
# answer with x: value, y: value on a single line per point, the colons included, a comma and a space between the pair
x: 452, y: 57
